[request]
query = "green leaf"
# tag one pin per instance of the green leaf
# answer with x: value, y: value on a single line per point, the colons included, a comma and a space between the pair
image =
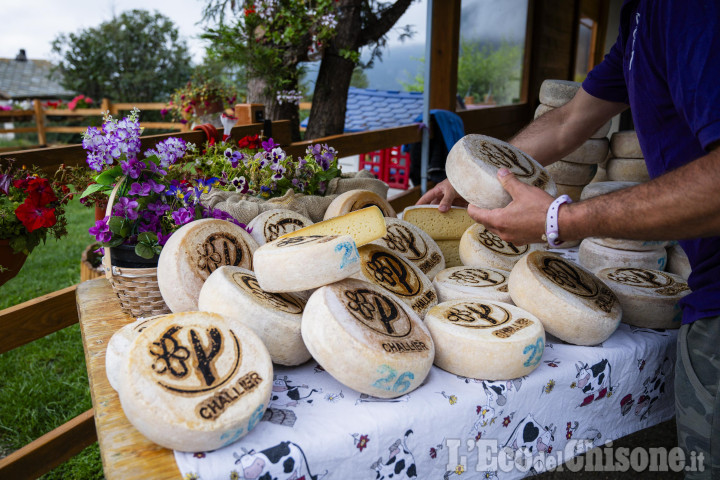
x: 95, y: 187
x: 148, y: 238
x: 144, y: 250
x: 115, y: 224
x: 109, y: 177
x: 115, y: 242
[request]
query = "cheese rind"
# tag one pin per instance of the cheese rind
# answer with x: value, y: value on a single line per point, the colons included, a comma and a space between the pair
x: 632, y: 245
x: 627, y: 170
x: 364, y: 226
x: 625, y: 144
x: 596, y: 257
x: 568, y: 173
x: 271, y: 224
x: 117, y: 348
x: 593, y: 151
x: 354, y: 200
x: 678, y: 262
x: 440, y: 226
x: 451, y: 252
x: 573, y: 191
x: 414, y: 244
x: 479, y: 247
x: 556, y: 93
x: 457, y: 283
x: 601, y: 188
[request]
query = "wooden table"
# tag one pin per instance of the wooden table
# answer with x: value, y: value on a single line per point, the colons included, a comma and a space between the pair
x: 126, y: 453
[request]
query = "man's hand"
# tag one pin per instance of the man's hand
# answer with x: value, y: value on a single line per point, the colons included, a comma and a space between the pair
x: 522, y: 221
x: 444, y: 195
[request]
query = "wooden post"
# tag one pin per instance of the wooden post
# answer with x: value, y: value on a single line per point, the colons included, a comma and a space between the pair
x: 106, y: 106
x: 248, y: 113
x: 444, y: 54
x: 40, y: 122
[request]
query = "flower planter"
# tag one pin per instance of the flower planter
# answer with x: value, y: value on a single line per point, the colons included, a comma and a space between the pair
x: 125, y: 256
x: 90, y: 264
x: 10, y: 263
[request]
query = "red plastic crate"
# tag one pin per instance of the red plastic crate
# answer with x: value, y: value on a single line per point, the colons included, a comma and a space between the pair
x: 374, y: 162
x: 397, y: 168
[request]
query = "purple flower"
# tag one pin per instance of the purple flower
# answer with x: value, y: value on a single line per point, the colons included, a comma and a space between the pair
x: 168, y: 151
x: 132, y: 168
x: 240, y: 184
x: 101, y: 230
x: 158, y: 208
x: 145, y: 189
x: 5, y: 183
x: 126, y: 208
x: 155, y: 168
x: 233, y: 157
x: 183, y: 216
x: 163, y: 238
x: 269, y: 145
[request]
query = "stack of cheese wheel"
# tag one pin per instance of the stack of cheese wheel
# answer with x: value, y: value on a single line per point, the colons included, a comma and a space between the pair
x: 678, y: 262
x: 479, y: 338
x: 195, y: 381
x: 354, y: 200
x: 445, y: 228
x: 577, y: 169
x: 275, y: 317
x: 367, y: 339
x: 479, y: 247
x: 456, y: 283
x: 272, y: 224
x: 627, y: 163
x: 573, y: 304
x: 414, y: 244
x: 649, y: 298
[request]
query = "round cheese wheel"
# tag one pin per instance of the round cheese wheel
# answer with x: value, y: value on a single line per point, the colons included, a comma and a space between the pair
x: 573, y: 191
x: 439, y: 225
x: 397, y: 275
x: 600, y: 176
x: 195, y: 251
x: 625, y: 144
x: 634, y: 245
x: 568, y: 173
x: 301, y: 263
x: 601, y: 132
x: 479, y: 247
x: 593, y: 151
x: 482, y: 339
x: 678, y: 262
x: 451, y: 252
x: 648, y: 297
x: 271, y: 224
x: 573, y: 304
x: 414, y: 244
x: 556, y: 93
x: 354, y: 200
x: 118, y: 346
x: 275, y: 317
x: 473, y: 163
x: 601, y: 188
x: 463, y: 282
x: 627, y: 170
x: 595, y: 257
x: 367, y: 339
x: 195, y: 381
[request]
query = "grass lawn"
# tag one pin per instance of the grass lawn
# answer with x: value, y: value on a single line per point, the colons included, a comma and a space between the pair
x: 44, y: 384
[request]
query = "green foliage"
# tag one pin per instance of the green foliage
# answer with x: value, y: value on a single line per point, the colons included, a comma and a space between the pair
x: 137, y: 56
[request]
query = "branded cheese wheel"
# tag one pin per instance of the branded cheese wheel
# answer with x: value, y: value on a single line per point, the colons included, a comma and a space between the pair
x: 275, y: 317
x: 195, y: 381
x: 648, y: 297
x: 625, y: 144
x: 568, y: 173
x: 601, y: 188
x: 271, y: 224
x: 355, y: 200
x: 484, y: 339
x: 449, y: 225
x: 398, y: 275
x: 479, y: 247
x: 463, y: 282
x: 473, y: 163
x: 195, y: 251
x: 573, y: 304
x: 573, y: 191
x: 556, y: 93
x: 601, y: 132
x: 414, y: 244
x: 678, y: 262
x: 367, y: 339
x: 300, y: 263
x: 634, y: 245
x: 364, y: 226
x: 595, y: 257
x: 593, y: 151
x: 451, y: 252
x: 627, y: 170
x: 118, y: 346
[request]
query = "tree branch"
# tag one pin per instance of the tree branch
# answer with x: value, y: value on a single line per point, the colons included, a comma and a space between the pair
x: 384, y: 21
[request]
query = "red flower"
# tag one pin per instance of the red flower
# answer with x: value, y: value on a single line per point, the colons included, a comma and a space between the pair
x: 20, y: 183
x: 249, y: 11
x: 362, y: 443
x: 34, y: 216
x: 249, y: 142
x: 42, y: 191
x: 506, y: 421
x: 211, y: 141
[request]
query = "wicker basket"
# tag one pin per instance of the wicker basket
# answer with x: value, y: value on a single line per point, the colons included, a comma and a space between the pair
x: 136, y: 288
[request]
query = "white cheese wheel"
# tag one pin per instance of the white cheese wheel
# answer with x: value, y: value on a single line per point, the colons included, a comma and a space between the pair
x: 275, y: 317
x: 625, y: 144
x: 556, y: 93
x: 272, y: 224
x: 573, y: 191
x: 367, y: 339
x: 451, y: 252
x: 596, y: 257
x: 601, y: 132
x: 678, y: 262
x: 397, y: 275
x: 456, y: 283
x: 449, y: 225
x: 354, y: 200
x: 195, y: 251
x: 364, y: 226
x: 118, y: 346
x: 478, y: 338
x: 413, y: 243
x: 634, y: 245
x: 592, y: 152
x: 600, y: 176
x: 301, y: 263
x: 627, y: 170
x: 195, y: 381
x: 573, y: 304
x: 648, y: 297
x: 601, y: 188
x: 568, y: 173
x: 479, y: 247
x: 473, y: 163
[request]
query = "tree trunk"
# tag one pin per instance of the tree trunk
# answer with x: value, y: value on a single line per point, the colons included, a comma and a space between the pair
x: 257, y: 93
x: 327, y: 116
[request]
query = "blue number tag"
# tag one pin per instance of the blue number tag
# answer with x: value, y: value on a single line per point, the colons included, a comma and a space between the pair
x: 350, y: 254
x: 536, y: 351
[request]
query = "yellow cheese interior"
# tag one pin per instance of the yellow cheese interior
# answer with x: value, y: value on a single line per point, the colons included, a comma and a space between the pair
x: 364, y: 226
x: 440, y: 226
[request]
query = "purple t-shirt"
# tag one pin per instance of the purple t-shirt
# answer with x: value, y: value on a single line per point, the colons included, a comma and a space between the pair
x: 665, y: 65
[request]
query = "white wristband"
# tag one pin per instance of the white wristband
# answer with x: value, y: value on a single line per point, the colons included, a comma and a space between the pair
x: 552, y: 232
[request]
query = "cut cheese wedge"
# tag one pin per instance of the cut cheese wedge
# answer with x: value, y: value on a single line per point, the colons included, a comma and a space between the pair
x: 568, y: 173
x: 556, y: 93
x: 479, y: 247
x: 271, y: 224
x: 573, y: 304
x: 275, y: 317
x: 596, y: 257
x: 678, y: 262
x: 118, y: 346
x: 601, y: 188
x: 451, y: 252
x: 367, y: 339
x: 364, y: 226
x: 439, y: 225
x: 627, y: 170
x: 483, y: 339
x: 456, y: 283
x: 414, y: 244
x: 625, y: 144
x: 354, y: 200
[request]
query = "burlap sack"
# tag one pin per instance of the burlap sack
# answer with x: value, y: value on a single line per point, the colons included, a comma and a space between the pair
x: 244, y: 207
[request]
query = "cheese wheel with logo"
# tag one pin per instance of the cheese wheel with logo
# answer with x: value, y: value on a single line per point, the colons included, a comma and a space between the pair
x: 451, y: 252
x: 118, y: 346
x: 367, y: 339
x: 272, y: 224
x: 649, y: 298
x: 473, y: 163
x: 556, y: 93
x: 479, y: 247
x: 478, y: 338
x: 601, y: 132
x: 595, y: 257
x: 568, y: 173
x: 573, y: 304
x: 678, y: 262
x: 414, y: 244
x: 439, y: 225
x: 195, y: 381
x: 354, y: 200
x: 627, y: 244
x: 601, y: 188
x: 302, y: 263
x: 397, y: 275
x: 463, y: 282
x: 275, y: 317
x: 195, y: 251
x: 625, y: 144
x: 364, y: 226
x: 627, y: 170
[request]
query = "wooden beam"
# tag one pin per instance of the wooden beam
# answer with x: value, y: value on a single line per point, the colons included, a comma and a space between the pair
x: 16, y: 113
x: 362, y: 142
x: 141, y: 106
x: 445, y: 44
x: 40, y: 122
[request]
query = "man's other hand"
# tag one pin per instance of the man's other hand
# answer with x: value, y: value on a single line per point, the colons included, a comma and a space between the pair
x: 444, y: 195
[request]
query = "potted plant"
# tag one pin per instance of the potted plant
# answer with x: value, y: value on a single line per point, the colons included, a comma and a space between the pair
x: 200, y: 97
